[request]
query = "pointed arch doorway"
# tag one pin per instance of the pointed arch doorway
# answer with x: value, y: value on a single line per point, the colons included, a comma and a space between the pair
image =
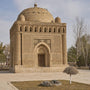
x: 43, y: 56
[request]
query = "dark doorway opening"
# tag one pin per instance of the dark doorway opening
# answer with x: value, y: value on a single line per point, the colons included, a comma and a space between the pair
x: 41, y: 60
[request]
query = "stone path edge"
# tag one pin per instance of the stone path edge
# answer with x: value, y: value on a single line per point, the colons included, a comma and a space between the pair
x: 12, y: 86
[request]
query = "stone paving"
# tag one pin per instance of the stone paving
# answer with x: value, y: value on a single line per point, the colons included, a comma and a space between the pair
x: 5, y: 78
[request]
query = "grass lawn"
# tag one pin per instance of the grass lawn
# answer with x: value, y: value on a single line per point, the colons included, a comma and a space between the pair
x: 34, y: 85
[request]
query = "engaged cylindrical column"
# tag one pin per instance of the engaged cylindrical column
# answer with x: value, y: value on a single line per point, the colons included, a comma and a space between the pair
x: 64, y: 49
x: 61, y: 59
x: 17, y: 49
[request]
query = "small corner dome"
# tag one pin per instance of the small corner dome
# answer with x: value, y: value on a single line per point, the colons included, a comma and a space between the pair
x: 57, y: 20
x: 21, y: 17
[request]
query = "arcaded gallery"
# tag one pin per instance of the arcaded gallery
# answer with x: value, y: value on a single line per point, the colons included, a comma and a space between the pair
x: 38, y: 42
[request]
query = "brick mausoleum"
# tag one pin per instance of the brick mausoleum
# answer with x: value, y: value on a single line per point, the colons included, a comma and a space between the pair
x: 38, y: 42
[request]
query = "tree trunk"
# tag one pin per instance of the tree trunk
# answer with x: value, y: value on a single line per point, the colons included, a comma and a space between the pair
x: 86, y: 61
x: 86, y: 56
x: 70, y: 79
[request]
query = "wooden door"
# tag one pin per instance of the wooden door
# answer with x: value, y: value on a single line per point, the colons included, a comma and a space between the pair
x: 41, y: 60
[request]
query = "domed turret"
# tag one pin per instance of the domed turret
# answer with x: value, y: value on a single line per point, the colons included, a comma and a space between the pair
x: 21, y: 18
x: 57, y: 20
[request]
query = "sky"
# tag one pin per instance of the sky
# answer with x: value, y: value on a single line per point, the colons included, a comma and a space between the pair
x: 67, y: 10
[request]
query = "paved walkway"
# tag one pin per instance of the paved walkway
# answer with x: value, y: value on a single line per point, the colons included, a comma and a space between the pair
x: 83, y: 77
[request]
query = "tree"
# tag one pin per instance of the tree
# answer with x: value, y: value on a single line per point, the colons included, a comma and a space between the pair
x: 71, y: 71
x: 84, y: 57
x: 7, y: 53
x: 7, y: 49
x: 81, y: 50
x: 2, y: 48
x: 2, y: 56
x: 72, y: 57
x: 84, y: 48
x: 78, y: 29
x: 88, y: 49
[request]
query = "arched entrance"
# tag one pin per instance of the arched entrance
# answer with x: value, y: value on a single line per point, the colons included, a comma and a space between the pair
x: 43, y: 55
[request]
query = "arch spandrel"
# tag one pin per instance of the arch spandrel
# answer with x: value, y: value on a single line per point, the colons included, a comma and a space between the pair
x: 43, y: 44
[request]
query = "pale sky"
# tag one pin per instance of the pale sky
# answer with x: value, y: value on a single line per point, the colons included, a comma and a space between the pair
x: 67, y: 10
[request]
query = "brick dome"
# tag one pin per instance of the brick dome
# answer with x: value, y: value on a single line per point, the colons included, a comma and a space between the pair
x: 36, y: 14
x: 21, y: 18
x: 57, y: 20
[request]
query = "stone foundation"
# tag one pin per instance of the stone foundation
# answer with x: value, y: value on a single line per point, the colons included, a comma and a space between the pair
x: 19, y: 69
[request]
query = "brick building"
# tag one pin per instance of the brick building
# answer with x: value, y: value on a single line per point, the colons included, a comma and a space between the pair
x: 38, y: 42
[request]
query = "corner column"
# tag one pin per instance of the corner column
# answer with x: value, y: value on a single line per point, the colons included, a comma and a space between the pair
x: 64, y: 49
x: 61, y: 55
x: 17, y: 59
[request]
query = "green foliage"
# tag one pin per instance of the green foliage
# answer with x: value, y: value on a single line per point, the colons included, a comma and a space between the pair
x: 81, y: 61
x: 2, y: 55
x: 2, y: 48
x: 72, y: 54
x: 2, y: 58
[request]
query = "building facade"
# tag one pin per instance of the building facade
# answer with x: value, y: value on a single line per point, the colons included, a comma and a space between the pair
x: 38, y: 42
